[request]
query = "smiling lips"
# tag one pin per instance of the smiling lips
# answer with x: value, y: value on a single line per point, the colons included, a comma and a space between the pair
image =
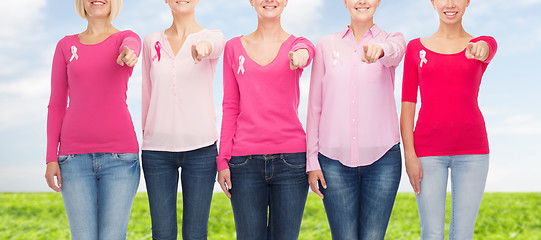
x: 362, y: 9
x: 97, y: 3
x: 450, y: 13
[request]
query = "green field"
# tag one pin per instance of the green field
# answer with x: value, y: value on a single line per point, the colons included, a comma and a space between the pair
x: 502, y: 216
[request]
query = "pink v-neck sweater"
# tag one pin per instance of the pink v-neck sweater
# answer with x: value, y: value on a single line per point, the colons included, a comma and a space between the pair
x: 97, y: 117
x: 260, y: 106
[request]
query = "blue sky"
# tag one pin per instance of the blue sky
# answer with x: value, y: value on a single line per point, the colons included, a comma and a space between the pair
x: 509, y: 96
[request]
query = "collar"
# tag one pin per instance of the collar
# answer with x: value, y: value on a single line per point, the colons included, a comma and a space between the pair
x: 373, y: 31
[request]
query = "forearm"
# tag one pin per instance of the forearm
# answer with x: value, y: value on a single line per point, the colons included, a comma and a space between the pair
x: 407, y: 118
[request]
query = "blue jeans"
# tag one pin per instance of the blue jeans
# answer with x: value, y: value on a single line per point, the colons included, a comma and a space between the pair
x: 359, y: 200
x: 198, y: 174
x: 98, y: 191
x: 275, y: 184
x: 468, y: 178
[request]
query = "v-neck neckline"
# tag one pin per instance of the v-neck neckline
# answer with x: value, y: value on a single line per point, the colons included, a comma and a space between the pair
x: 168, y: 47
x: 273, y: 60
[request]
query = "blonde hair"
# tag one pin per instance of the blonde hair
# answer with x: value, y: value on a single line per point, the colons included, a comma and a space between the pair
x: 116, y: 6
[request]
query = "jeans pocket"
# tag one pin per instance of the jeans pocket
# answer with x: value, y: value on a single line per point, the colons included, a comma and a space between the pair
x: 128, y: 157
x: 295, y: 160
x: 64, y: 158
x: 237, y: 161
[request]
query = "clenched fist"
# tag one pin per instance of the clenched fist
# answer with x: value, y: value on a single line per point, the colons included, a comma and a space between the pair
x: 298, y: 59
x: 201, y: 50
x: 478, y: 51
x: 371, y: 53
x: 127, y: 57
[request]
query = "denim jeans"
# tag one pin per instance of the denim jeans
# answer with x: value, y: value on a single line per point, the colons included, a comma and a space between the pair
x: 198, y: 174
x: 274, y: 184
x: 468, y: 178
x: 359, y: 200
x: 98, y: 191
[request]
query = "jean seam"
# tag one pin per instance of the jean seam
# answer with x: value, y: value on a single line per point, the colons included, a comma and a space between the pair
x: 239, y: 164
x: 68, y: 158
x: 283, y: 158
x: 453, y: 192
x: 115, y: 155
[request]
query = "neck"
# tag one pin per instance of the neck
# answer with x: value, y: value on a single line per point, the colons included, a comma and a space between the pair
x: 99, y: 26
x: 450, y: 30
x: 360, y: 28
x: 269, y: 29
x: 184, y: 24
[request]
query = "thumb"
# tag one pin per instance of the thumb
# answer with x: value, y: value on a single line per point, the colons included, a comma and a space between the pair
x: 291, y: 55
x: 59, y: 179
x: 469, y: 48
x: 119, y: 59
x: 228, y: 182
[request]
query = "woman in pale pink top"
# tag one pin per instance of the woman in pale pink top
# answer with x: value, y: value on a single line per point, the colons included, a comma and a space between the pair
x: 179, y: 122
x: 353, y: 148
x: 262, y: 144
x: 92, y: 148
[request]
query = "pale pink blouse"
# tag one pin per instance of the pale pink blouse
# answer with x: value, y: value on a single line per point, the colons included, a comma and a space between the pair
x: 178, y: 112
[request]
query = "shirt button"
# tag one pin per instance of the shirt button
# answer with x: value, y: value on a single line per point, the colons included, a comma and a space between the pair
x: 354, y: 138
x: 353, y: 101
x: 353, y: 120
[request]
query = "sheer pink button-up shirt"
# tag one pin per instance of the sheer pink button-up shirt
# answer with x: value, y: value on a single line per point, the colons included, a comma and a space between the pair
x: 178, y: 112
x: 352, y: 113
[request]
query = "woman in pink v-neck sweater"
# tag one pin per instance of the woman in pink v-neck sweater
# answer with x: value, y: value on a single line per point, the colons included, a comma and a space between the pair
x: 92, y: 148
x: 262, y: 157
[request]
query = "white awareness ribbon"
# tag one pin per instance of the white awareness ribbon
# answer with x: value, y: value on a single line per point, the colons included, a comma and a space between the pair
x: 74, y: 53
x: 336, y: 56
x: 422, y: 55
x: 241, y: 65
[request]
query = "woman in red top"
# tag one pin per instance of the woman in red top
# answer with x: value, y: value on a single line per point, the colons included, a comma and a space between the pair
x: 450, y: 132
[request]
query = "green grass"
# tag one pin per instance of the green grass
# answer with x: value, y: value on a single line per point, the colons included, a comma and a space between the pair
x: 42, y: 216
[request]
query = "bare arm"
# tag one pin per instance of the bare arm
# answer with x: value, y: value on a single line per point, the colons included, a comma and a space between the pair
x: 413, y: 165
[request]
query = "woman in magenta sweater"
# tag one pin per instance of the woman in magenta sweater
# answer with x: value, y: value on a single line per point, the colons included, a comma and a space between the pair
x: 97, y: 164
x: 262, y: 155
x: 450, y: 133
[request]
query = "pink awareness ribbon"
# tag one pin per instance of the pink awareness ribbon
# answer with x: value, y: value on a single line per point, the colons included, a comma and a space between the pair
x: 241, y: 65
x: 74, y: 53
x: 422, y: 55
x: 158, y: 47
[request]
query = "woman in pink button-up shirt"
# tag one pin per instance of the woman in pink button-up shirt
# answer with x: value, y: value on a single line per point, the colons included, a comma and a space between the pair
x: 179, y: 122
x: 353, y: 140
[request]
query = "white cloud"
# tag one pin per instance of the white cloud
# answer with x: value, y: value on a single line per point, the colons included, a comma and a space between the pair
x: 301, y: 16
x: 511, y: 123
x: 18, y: 18
x: 24, y: 101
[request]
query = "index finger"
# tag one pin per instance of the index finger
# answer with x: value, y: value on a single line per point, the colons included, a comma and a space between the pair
x: 51, y: 183
x: 224, y: 188
x: 315, y: 189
